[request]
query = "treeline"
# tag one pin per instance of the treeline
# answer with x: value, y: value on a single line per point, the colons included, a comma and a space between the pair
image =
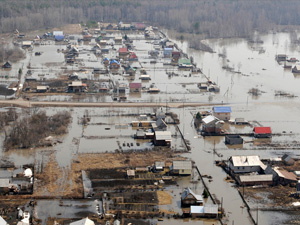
x: 31, y: 131
x: 211, y: 18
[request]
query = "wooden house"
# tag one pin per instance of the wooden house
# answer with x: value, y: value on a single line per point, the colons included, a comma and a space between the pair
x: 162, y: 138
x: 222, y: 112
x: 181, y: 167
x: 118, y: 40
x: 188, y: 198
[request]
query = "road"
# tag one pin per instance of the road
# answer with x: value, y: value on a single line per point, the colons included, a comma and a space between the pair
x: 25, y: 103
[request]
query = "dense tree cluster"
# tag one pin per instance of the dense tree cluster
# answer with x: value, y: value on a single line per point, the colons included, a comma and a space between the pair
x: 31, y: 131
x: 212, y: 18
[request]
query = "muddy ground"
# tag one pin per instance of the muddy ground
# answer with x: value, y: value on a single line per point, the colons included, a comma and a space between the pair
x: 54, y: 181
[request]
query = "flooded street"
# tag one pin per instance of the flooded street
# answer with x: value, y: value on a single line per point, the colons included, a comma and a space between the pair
x: 236, y: 66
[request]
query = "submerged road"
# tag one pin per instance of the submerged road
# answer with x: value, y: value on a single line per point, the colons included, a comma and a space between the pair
x: 25, y: 103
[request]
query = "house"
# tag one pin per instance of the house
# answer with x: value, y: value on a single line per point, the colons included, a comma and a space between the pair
x: 123, y: 52
x: 159, y: 125
x: 6, y: 65
x: 246, y: 164
x: 168, y: 52
x: 85, y: 221
x: 188, y: 198
x: 256, y: 179
x: 222, y: 112
x: 176, y: 55
x: 262, y: 132
x: 296, y: 69
x: 162, y: 138
x: 130, y: 70
x: 58, y: 35
x: 233, y: 139
x: 181, y: 167
x: 118, y: 40
x: 184, y: 63
x: 135, y: 87
x: 132, y: 57
x: 105, y: 61
x: 140, y: 26
x: 114, y: 64
x: 212, y: 124
x: 77, y: 86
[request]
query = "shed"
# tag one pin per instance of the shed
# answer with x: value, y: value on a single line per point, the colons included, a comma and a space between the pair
x: 233, y: 139
x: 188, y: 198
x: 262, y: 132
x: 26, y: 44
x: 185, y: 63
x: 284, y: 177
x: 210, y: 211
x: 145, y: 77
x: 222, y: 112
x: 287, y: 159
x: 118, y: 40
x: 77, y: 86
x: 42, y: 89
x: 159, y: 165
x: 130, y: 173
x: 162, y: 138
x: 181, y: 167
x: 261, y: 179
x: 58, y: 35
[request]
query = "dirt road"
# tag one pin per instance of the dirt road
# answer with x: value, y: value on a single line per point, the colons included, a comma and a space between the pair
x: 24, y: 103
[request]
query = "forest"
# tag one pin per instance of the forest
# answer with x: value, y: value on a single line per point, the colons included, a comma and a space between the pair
x: 208, y: 18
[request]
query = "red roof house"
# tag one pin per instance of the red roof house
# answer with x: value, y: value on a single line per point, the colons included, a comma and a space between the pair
x: 135, y: 87
x: 123, y: 52
x: 262, y: 132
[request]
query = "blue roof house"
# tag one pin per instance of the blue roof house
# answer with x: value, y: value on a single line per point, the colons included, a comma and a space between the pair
x: 222, y: 112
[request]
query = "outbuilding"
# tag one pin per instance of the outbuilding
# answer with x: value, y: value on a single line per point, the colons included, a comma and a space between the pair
x: 188, y: 198
x: 162, y: 138
x: 262, y: 132
x: 233, y: 139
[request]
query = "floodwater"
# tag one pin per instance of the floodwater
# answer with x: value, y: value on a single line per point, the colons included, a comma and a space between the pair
x: 254, y: 66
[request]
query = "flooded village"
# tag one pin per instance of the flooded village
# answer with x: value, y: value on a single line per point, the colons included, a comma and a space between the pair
x: 124, y: 124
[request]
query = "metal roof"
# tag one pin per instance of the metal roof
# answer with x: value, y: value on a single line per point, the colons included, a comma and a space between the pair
x: 197, y: 209
x: 222, y: 109
x: 182, y: 165
x: 2, y: 221
x: 285, y: 174
x: 163, y: 135
x: 256, y: 178
x: 211, y: 209
x: 4, y: 182
x: 209, y: 119
x: 85, y: 221
x: 262, y: 130
x: 252, y: 160
x: 188, y: 191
